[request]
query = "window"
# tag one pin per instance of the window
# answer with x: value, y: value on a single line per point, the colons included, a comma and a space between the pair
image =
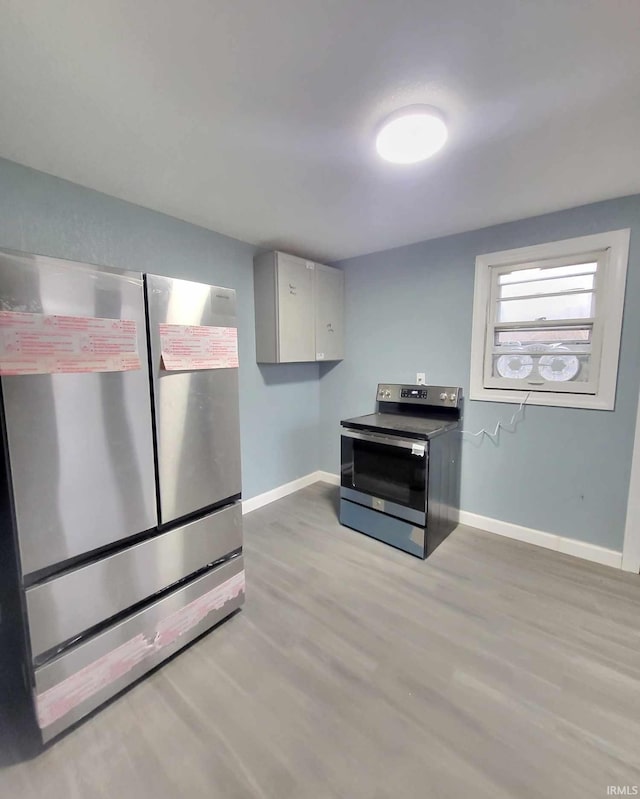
x: 547, y: 322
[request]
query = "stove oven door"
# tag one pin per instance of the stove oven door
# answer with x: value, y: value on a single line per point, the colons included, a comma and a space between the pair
x: 386, y: 473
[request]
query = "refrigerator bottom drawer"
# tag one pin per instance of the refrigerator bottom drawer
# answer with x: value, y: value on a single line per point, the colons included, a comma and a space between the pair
x: 60, y: 609
x: 83, y: 678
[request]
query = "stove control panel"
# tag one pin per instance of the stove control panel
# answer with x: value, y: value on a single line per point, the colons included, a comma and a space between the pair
x: 438, y: 396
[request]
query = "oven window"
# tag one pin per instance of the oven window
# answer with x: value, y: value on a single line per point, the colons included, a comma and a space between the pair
x: 384, y: 471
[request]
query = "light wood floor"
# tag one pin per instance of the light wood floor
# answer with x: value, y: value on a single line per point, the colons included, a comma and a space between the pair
x: 494, y: 669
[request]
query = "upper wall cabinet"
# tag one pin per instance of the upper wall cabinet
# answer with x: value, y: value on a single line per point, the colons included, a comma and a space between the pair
x: 299, y: 309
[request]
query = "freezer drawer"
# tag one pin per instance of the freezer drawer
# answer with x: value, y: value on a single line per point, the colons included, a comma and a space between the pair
x: 196, y: 411
x: 83, y: 678
x: 80, y: 446
x: 66, y: 606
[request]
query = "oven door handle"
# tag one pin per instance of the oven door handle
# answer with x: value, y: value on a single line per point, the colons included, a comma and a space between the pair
x: 417, y: 447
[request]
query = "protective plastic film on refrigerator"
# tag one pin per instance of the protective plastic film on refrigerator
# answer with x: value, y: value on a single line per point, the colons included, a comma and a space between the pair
x: 122, y: 534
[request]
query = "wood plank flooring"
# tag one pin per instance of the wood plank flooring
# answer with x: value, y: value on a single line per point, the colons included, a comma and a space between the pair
x: 493, y: 670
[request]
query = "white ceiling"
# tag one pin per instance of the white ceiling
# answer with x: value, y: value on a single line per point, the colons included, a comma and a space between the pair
x: 256, y: 117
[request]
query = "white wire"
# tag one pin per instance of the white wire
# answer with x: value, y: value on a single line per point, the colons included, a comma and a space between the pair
x: 499, y: 426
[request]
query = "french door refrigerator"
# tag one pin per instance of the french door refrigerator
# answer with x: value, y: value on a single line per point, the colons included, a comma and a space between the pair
x: 121, y: 525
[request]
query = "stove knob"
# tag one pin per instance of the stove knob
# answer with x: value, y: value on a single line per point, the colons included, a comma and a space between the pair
x: 387, y: 393
x: 443, y: 396
x: 452, y: 397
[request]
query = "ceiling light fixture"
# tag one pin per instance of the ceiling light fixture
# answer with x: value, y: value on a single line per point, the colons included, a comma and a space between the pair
x: 411, y: 134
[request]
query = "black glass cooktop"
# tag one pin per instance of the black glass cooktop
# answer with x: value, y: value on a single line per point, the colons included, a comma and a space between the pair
x: 419, y: 427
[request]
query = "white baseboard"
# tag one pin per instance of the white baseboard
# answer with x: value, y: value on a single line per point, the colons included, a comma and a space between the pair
x: 327, y: 477
x: 569, y: 546
x: 253, y: 503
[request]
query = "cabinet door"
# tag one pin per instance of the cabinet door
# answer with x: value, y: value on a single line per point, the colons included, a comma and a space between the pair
x: 295, y: 309
x: 329, y: 313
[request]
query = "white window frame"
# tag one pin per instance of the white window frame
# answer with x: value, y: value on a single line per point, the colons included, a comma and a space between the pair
x: 611, y: 280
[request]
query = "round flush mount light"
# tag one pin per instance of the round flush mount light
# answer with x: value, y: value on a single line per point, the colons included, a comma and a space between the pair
x: 411, y: 134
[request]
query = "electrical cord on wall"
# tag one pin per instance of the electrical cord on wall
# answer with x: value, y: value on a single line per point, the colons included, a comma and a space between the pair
x: 499, y: 426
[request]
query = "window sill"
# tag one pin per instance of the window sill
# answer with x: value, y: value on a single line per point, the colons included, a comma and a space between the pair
x: 584, y: 401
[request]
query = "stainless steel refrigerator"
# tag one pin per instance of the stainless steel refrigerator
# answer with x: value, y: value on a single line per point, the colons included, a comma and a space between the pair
x: 121, y: 534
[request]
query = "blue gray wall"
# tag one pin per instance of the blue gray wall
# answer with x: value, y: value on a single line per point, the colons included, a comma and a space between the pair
x: 278, y: 404
x: 564, y: 471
